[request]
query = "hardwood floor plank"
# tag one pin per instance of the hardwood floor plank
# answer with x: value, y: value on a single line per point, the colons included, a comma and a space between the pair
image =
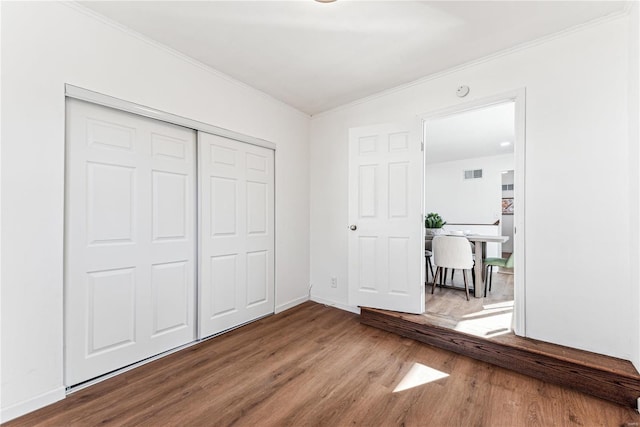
x: 601, y: 381
x: 319, y: 366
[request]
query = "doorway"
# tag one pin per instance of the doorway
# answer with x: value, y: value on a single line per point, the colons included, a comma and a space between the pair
x: 474, y: 164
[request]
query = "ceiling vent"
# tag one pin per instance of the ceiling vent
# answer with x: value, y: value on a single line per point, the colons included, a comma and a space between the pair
x: 473, y: 174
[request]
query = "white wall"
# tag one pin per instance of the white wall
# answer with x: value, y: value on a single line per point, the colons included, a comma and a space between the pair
x: 576, y: 140
x: 44, y: 46
x: 471, y: 201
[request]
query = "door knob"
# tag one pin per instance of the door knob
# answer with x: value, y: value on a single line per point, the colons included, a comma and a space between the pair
x: 353, y: 227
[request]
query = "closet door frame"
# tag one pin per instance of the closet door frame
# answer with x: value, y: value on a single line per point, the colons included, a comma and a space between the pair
x: 141, y: 110
x: 76, y: 92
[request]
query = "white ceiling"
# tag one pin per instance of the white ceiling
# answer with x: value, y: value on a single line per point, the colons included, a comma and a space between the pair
x: 471, y: 134
x: 316, y: 56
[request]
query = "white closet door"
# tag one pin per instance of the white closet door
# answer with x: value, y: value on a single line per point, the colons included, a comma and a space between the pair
x: 129, y: 239
x: 237, y: 233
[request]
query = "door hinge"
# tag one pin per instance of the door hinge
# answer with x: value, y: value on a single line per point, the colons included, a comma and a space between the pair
x: 421, y: 145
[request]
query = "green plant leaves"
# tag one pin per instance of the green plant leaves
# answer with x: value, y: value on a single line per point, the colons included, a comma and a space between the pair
x: 433, y: 220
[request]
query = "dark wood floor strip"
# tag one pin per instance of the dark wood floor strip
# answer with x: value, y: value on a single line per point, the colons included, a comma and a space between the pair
x: 597, y: 375
x: 319, y: 366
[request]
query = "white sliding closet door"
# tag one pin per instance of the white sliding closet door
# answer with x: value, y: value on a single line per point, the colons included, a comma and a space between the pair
x: 129, y: 239
x: 237, y: 233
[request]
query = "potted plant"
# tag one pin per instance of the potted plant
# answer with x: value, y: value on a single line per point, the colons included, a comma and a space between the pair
x: 433, y: 223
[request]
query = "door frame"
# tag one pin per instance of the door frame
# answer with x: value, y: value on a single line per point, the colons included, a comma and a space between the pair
x: 518, y: 97
x: 82, y: 94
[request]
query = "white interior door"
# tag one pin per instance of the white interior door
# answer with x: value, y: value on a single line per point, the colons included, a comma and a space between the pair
x: 386, y: 236
x: 129, y: 239
x: 236, y: 279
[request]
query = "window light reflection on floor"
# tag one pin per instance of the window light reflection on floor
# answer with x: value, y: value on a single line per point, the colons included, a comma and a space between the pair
x: 492, y: 320
x: 491, y: 308
x: 418, y: 375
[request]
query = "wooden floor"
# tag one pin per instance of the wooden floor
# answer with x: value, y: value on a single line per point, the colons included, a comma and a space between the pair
x: 481, y: 328
x: 316, y: 365
x: 484, y: 317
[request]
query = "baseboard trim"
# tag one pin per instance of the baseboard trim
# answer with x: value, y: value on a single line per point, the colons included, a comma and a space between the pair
x: 335, y: 304
x: 22, y: 408
x: 287, y: 305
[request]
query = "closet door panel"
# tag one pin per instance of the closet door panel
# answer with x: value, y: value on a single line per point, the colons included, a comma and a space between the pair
x: 236, y: 281
x: 129, y: 239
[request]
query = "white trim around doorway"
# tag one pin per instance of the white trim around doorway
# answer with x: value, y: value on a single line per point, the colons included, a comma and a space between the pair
x: 518, y: 96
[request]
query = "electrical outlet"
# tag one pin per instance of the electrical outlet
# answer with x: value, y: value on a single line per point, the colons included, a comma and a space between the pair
x: 334, y: 282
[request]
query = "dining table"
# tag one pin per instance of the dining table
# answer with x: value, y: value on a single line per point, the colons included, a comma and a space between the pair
x: 480, y: 241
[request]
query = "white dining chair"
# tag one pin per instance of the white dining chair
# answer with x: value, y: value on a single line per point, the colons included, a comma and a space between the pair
x: 452, y: 252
